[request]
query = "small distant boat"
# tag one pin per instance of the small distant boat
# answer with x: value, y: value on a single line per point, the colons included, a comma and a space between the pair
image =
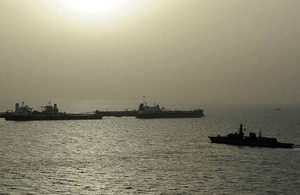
x: 277, y: 109
x: 25, y: 113
x: 251, y: 140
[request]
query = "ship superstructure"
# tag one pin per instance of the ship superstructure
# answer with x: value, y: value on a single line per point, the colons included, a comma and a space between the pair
x: 25, y: 113
x: 23, y: 110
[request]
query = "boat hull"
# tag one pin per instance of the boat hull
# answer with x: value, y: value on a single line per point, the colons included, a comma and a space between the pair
x: 224, y: 140
x: 53, y: 117
x: 179, y: 114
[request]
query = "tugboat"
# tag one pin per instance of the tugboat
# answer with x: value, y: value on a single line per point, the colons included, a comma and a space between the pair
x: 251, y: 140
x: 147, y: 112
x: 25, y: 113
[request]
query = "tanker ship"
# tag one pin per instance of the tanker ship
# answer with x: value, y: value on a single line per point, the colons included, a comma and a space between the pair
x: 25, y: 113
x: 148, y: 112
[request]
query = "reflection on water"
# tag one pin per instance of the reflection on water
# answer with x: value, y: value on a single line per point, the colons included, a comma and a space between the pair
x: 129, y: 155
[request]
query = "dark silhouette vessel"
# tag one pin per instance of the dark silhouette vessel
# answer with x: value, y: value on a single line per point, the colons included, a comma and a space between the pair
x: 251, y: 140
x: 148, y: 112
x: 25, y: 113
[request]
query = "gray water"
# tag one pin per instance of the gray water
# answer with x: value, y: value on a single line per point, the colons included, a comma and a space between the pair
x: 156, y: 156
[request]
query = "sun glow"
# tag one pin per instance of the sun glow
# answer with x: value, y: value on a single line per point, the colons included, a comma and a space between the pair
x: 89, y: 10
x: 95, y: 7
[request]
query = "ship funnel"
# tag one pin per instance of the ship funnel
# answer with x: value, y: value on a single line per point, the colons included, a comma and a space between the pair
x: 17, y: 107
x: 55, y: 108
x: 141, y: 107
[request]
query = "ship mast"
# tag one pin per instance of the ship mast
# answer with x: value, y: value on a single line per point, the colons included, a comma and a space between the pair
x: 241, y: 130
x: 144, y: 102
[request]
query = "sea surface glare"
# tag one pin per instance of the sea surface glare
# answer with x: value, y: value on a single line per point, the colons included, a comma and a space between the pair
x: 151, y: 156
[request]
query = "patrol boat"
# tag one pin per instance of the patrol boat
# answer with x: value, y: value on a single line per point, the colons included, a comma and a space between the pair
x: 251, y: 140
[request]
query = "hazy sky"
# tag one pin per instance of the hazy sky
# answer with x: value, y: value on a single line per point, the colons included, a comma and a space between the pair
x: 193, y: 51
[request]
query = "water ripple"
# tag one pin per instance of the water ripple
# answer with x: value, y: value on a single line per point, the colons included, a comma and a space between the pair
x: 132, y: 156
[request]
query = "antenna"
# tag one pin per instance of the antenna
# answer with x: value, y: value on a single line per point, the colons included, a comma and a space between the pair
x: 144, y: 102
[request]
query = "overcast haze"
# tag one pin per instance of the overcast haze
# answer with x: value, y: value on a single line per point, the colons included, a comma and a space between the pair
x: 199, y: 52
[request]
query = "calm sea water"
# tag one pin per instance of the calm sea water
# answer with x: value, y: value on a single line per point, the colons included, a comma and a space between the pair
x: 157, y: 156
